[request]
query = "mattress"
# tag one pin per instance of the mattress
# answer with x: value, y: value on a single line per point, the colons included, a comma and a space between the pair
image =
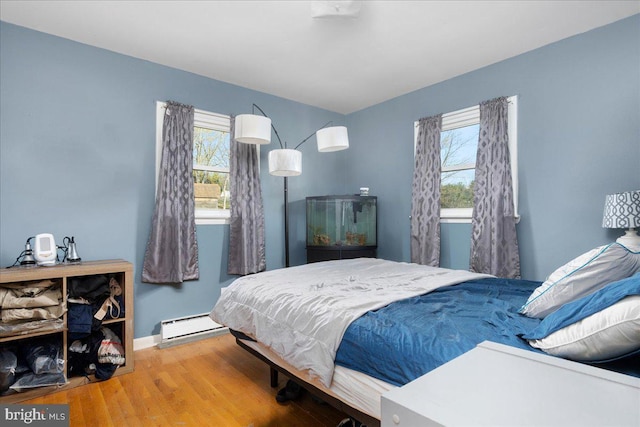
x: 302, y: 312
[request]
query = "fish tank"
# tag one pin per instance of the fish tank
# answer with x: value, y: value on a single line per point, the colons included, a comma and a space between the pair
x: 342, y: 222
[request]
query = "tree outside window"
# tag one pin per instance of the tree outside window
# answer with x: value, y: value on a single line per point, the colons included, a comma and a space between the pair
x: 211, y: 168
x: 458, y: 159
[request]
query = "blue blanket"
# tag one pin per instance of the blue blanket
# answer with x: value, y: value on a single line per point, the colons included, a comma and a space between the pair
x: 411, y: 337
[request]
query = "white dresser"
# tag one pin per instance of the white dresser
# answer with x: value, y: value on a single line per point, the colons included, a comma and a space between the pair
x: 498, y: 385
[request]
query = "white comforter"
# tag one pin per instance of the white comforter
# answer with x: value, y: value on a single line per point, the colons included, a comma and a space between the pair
x: 302, y: 312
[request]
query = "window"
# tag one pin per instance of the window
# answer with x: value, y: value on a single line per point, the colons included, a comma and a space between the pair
x: 210, y: 164
x: 458, y: 147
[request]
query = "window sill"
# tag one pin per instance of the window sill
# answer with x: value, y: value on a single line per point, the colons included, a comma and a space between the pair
x: 455, y: 220
x: 464, y: 220
x: 212, y: 221
x: 212, y: 217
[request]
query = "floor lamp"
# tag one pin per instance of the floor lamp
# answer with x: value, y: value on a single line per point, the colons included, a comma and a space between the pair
x: 286, y: 162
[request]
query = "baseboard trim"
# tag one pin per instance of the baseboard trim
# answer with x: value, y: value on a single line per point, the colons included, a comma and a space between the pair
x: 193, y: 337
x: 146, y: 342
x: 154, y: 340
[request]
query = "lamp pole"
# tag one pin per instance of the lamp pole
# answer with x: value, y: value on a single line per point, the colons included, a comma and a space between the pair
x: 286, y: 221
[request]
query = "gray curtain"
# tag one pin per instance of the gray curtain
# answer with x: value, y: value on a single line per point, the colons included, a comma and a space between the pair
x: 172, y: 250
x: 246, y: 232
x: 494, y: 243
x: 425, y: 194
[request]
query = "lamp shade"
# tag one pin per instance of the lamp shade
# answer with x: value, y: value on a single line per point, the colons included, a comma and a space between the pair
x: 285, y: 162
x: 333, y: 138
x: 252, y: 129
x: 622, y: 210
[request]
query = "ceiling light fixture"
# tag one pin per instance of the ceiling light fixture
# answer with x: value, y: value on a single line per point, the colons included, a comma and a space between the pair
x: 335, y: 9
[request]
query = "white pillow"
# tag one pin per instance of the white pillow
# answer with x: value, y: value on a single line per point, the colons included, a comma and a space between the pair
x: 582, y: 276
x: 609, y: 333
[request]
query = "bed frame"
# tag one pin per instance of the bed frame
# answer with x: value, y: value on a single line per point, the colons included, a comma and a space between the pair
x: 358, y: 403
x: 291, y: 373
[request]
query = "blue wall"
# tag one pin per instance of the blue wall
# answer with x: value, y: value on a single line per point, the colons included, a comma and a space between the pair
x: 77, y: 147
x: 77, y: 157
x: 579, y: 139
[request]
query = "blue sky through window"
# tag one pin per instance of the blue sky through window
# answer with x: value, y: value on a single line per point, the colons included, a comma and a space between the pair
x: 459, y: 147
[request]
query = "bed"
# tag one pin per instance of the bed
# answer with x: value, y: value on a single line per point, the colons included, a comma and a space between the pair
x: 351, y: 330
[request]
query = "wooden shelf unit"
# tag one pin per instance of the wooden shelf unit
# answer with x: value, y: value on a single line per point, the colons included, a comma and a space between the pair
x: 61, y: 273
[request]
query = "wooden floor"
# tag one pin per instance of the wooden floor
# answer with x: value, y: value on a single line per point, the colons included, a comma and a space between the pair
x: 211, y: 382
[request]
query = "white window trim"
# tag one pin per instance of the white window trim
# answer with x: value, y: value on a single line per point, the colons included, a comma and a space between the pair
x: 467, y: 117
x: 201, y: 119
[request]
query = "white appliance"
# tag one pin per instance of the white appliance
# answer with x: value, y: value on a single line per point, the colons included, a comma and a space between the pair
x: 45, y: 250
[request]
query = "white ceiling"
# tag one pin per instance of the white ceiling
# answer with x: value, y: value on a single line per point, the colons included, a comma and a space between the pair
x: 340, y: 64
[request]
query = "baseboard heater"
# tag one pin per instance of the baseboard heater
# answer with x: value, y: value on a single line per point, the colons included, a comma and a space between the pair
x: 188, y: 329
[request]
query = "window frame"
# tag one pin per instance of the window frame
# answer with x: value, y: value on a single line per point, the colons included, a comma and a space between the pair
x: 204, y: 119
x: 467, y: 117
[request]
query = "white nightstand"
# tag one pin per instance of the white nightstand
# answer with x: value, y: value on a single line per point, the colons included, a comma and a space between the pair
x: 498, y: 385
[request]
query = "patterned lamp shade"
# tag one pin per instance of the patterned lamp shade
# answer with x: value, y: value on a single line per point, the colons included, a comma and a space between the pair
x: 622, y: 210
